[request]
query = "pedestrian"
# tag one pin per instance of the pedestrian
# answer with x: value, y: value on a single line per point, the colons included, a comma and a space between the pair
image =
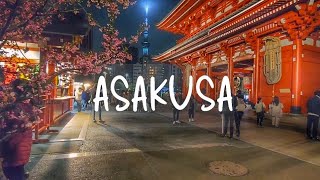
x: 275, y: 109
x: 84, y: 100
x: 78, y: 97
x: 191, y: 109
x: 148, y: 102
x: 140, y: 105
x: 93, y: 95
x: 88, y: 97
x: 313, y: 106
x: 240, y: 108
x: 127, y: 96
x: 260, y: 110
x: 228, y: 116
x: 16, y: 148
x: 176, y: 112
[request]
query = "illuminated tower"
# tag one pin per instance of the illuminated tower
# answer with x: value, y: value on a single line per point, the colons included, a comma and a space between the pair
x: 145, y: 43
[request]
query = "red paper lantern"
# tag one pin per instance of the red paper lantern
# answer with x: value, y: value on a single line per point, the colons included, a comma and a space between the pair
x: 247, y: 82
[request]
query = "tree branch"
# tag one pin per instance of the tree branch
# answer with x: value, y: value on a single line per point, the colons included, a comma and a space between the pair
x: 30, y: 19
x: 61, y: 72
x: 10, y: 18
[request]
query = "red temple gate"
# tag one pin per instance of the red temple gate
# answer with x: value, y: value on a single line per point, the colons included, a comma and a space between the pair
x: 273, y: 43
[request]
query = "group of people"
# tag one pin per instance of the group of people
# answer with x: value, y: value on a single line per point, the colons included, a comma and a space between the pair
x: 191, y: 108
x: 229, y: 117
x: 234, y: 116
x: 82, y: 98
x: 275, y: 111
x: 239, y: 106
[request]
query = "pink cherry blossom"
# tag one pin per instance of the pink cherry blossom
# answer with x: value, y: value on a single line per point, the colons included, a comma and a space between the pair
x: 25, y: 21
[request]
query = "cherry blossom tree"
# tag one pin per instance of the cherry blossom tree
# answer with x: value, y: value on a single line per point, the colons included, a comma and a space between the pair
x: 25, y: 21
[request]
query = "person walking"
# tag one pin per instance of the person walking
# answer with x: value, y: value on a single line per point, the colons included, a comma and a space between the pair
x: 88, y: 97
x: 140, y: 105
x: 16, y: 148
x: 93, y: 95
x: 84, y: 100
x: 260, y: 109
x: 99, y: 113
x: 78, y: 97
x: 148, y: 102
x: 276, y: 111
x: 191, y: 109
x: 240, y: 108
x: 313, y: 106
x: 176, y: 112
x: 228, y: 116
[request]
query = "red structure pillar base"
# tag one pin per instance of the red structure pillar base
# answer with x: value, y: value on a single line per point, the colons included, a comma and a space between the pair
x: 295, y: 109
x: 53, y: 131
x: 40, y: 141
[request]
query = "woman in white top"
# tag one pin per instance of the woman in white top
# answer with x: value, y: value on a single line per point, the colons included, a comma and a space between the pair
x: 241, y: 107
x: 78, y: 98
x: 276, y: 111
x: 260, y: 109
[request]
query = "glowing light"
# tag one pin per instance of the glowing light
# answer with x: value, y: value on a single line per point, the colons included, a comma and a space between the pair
x: 147, y: 9
x: 21, y: 64
x: 73, y: 155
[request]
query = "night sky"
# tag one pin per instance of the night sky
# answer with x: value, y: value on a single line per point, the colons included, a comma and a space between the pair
x: 131, y: 18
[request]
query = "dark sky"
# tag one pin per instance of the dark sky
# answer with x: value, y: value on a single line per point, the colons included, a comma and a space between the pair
x: 131, y: 18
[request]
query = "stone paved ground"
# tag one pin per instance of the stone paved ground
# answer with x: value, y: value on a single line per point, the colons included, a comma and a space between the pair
x: 147, y: 146
x: 289, y: 139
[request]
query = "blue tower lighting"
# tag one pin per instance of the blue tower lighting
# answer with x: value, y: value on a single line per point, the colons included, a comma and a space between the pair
x: 145, y: 42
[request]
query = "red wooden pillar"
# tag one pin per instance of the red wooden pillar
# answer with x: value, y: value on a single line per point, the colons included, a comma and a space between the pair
x: 184, y: 85
x: 51, y: 69
x: 209, y: 73
x: 215, y: 96
x: 194, y: 77
x: 256, y: 72
x: 296, y: 79
x: 70, y: 93
x: 230, y: 69
x: 52, y: 95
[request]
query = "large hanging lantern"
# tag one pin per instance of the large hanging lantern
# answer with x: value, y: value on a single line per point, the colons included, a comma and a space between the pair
x: 247, y: 82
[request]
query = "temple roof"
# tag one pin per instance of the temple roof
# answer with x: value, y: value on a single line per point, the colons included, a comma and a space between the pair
x: 179, y: 13
x: 238, y: 21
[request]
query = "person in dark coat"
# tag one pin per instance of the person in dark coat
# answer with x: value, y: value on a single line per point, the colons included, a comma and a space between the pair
x: 17, y: 147
x: 229, y: 116
x: 93, y: 95
x: 313, y: 106
x: 84, y: 99
x: 140, y: 104
x: 191, y: 109
x: 176, y: 112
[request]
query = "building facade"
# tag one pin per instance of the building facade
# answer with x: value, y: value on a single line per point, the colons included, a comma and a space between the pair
x: 267, y: 48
